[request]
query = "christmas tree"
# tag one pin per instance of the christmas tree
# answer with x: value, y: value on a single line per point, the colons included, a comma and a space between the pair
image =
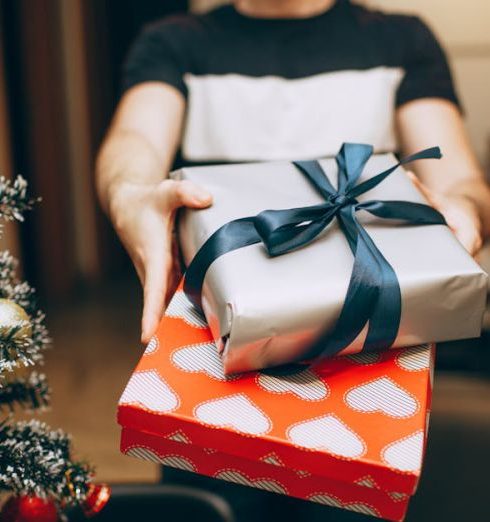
x: 36, y: 466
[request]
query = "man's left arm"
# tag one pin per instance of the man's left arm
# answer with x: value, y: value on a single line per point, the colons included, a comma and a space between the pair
x: 455, y: 184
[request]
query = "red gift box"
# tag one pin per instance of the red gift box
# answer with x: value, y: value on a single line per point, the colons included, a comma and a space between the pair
x: 348, y: 433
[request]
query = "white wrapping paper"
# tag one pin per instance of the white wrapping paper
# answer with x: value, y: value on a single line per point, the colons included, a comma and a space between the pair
x: 263, y: 311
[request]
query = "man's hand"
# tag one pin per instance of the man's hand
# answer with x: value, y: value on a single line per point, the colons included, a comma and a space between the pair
x: 461, y: 214
x: 132, y: 164
x: 143, y: 216
x: 455, y: 184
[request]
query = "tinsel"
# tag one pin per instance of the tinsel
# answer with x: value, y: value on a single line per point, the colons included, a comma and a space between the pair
x: 31, y: 393
x: 24, y: 351
x: 14, y: 199
x: 35, y: 460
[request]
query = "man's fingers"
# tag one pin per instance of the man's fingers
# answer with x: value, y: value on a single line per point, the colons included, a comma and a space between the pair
x: 459, y: 216
x: 472, y: 244
x: 470, y: 239
x: 154, y: 296
x: 140, y: 272
x: 175, y: 273
x: 170, y: 194
x: 185, y: 193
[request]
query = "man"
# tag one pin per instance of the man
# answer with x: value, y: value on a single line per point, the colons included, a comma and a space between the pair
x: 277, y: 79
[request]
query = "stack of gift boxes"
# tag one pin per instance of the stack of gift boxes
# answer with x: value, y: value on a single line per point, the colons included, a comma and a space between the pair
x: 228, y: 394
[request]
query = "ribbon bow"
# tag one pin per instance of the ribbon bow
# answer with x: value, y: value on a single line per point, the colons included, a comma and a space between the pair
x: 373, y: 296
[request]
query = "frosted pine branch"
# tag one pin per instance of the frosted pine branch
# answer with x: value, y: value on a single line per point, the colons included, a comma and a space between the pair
x: 24, y: 351
x: 35, y: 460
x: 32, y: 393
x: 12, y: 288
x: 17, y: 352
x: 14, y: 199
x: 8, y: 267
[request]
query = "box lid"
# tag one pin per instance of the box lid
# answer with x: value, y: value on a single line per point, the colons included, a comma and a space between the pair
x: 357, y: 419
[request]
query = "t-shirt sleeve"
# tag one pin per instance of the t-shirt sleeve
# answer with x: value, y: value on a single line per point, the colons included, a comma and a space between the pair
x: 155, y: 57
x: 427, y: 72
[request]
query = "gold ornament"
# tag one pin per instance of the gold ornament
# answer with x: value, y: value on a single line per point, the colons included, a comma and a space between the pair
x: 13, y: 316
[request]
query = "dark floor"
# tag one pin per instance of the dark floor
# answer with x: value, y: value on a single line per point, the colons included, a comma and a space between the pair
x: 96, y: 347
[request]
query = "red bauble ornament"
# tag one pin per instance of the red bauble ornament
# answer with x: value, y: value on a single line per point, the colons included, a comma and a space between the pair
x: 29, y: 509
x: 97, y: 497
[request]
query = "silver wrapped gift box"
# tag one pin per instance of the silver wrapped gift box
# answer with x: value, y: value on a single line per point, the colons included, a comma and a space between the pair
x: 263, y: 311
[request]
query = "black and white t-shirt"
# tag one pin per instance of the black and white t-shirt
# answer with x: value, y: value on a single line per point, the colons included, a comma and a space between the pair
x: 267, y: 89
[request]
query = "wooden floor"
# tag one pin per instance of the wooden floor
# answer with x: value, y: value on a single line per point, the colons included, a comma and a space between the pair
x: 96, y: 346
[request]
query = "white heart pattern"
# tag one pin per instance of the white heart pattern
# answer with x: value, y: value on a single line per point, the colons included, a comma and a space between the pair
x: 181, y: 307
x: 382, y: 395
x: 398, y: 497
x: 143, y: 453
x: 302, y: 473
x: 367, y: 482
x: 298, y: 380
x: 174, y: 461
x: 178, y: 436
x: 203, y: 358
x: 273, y: 459
x: 152, y: 346
x: 365, y: 358
x: 405, y: 454
x: 233, y: 475
x: 177, y: 461
x: 414, y: 358
x: 151, y: 391
x: 234, y: 411
x: 327, y: 433
x: 330, y: 500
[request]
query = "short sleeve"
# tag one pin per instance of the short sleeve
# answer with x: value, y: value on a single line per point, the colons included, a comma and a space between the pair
x: 155, y: 57
x: 427, y: 72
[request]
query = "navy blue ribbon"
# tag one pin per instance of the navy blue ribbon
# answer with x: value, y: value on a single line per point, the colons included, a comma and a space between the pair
x: 373, y: 296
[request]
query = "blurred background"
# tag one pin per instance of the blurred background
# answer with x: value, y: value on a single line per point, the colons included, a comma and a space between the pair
x: 60, y: 64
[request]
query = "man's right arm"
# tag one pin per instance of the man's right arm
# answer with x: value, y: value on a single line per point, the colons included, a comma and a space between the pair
x: 131, y: 177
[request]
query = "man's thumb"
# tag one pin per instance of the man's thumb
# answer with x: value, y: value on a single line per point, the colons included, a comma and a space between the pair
x: 187, y: 194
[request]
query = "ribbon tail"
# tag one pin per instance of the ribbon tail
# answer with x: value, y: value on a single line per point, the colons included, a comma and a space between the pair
x: 382, y: 331
x: 231, y: 236
x: 384, y: 320
x: 408, y: 211
x: 362, y: 293
x: 365, y: 186
x: 373, y: 298
x: 354, y: 314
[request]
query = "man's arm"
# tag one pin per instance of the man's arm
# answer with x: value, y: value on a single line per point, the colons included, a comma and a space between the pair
x: 133, y: 188
x: 456, y: 183
x: 142, y: 139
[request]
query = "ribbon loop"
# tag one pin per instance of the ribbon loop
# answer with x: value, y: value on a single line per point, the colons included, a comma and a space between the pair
x: 314, y: 173
x: 284, y: 230
x: 373, y: 297
x: 351, y: 161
